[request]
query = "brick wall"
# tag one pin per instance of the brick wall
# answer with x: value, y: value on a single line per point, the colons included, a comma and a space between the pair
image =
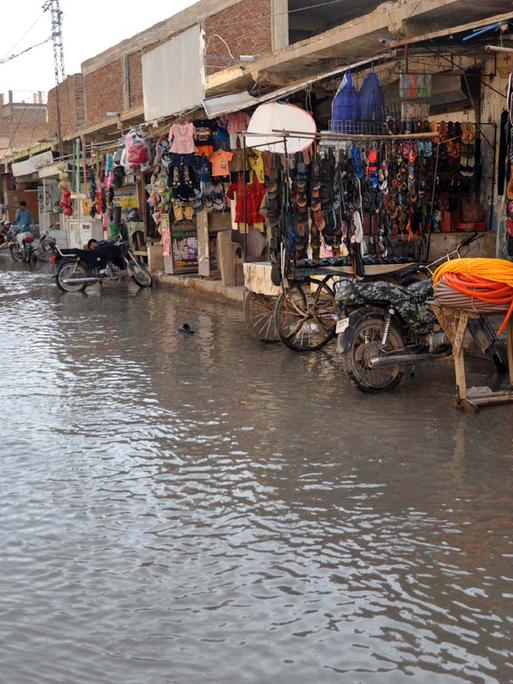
x: 135, y: 79
x: 135, y: 75
x: 247, y: 29
x: 103, y: 92
x: 72, y: 106
x: 24, y: 127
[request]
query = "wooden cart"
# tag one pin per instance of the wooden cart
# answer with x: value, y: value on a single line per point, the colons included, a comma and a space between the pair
x: 455, y: 323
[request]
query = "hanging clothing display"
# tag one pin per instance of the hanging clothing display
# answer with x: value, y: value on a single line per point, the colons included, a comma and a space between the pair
x: 181, y: 138
x: 254, y: 194
x: 220, y: 162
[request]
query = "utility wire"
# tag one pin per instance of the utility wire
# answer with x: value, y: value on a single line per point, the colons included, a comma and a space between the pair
x: 18, y: 54
x: 10, y: 51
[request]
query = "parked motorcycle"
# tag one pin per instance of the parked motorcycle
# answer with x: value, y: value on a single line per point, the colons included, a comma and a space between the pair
x: 77, y: 269
x: 4, y: 234
x: 45, y: 247
x: 384, y: 328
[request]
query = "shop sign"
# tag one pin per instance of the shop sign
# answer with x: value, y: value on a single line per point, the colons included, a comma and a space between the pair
x: 127, y: 201
x: 32, y: 165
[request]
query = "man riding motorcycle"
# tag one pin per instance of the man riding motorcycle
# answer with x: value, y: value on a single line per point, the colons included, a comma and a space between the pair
x: 23, y: 223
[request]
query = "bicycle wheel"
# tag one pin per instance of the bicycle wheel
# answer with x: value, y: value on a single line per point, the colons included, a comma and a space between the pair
x: 304, y: 321
x: 259, y: 316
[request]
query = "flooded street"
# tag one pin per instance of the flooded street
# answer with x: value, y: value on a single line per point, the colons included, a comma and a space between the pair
x: 180, y: 509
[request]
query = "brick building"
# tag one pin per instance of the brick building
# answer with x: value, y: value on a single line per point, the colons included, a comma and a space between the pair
x: 113, y: 79
x: 245, y: 28
x: 22, y: 122
x: 72, y: 106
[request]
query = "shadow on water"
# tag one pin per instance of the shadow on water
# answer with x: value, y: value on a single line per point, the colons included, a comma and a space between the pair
x: 181, y: 507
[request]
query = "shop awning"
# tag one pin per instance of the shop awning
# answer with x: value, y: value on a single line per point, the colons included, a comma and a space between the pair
x: 216, y: 106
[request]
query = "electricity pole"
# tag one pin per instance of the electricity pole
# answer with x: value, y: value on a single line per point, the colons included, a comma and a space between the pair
x: 58, y: 58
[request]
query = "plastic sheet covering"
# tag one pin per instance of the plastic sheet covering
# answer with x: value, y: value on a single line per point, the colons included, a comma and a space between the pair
x: 215, y: 106
x: 174, y: 75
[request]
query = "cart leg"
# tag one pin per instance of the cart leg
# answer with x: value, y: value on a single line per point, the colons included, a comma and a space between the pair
x: 459, y: 358
x: 509, y: 339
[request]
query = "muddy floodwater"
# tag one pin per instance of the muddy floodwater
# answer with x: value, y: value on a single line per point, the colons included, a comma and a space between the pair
x: 182, y: 509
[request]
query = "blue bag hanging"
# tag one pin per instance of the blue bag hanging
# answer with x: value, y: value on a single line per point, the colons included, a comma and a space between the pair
x: 371, y: 99
x: 345, y: 108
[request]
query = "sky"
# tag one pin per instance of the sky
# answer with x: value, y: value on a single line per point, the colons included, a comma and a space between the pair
x: 89, y: 27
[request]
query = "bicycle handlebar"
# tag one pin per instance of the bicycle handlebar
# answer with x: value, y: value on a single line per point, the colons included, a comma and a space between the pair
x: 468, y: 240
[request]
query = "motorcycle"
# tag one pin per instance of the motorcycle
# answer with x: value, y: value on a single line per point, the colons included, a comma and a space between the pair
x: 383, y: 328
x: 21, y: 254
x: 45, y: 248
x: 77, y: 269
x: 4, y: 234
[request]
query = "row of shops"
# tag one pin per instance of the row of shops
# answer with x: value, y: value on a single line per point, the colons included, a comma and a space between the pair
x: 404, y: 153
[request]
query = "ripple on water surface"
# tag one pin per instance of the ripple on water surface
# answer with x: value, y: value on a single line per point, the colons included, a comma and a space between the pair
x: 181, y: 508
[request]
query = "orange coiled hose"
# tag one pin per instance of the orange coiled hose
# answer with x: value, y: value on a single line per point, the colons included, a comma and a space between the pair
x: 489, y: 280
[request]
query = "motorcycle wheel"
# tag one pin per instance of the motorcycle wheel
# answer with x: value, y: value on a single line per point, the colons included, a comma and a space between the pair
x: 139, y: 273
x: 66, y: 273
x: 16, y: 253
x: 367, y: 336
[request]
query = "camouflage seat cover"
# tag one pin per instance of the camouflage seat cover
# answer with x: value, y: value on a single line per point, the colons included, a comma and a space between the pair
x: 409, y: 302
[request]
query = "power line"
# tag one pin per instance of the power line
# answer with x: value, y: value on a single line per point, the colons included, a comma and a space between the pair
x: 22, y: 37
x: 18, y: 54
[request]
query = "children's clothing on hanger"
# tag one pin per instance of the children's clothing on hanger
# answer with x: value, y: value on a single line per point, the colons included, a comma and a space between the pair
x: 181, y: 138
x: 220, y: 161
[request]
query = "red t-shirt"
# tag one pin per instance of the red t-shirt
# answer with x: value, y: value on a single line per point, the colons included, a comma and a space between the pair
x: 255, y: 192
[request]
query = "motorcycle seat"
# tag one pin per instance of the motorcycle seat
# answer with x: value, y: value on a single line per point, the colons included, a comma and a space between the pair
x: 29, y: 238
x: 71, y: 252
x: 96, y: 258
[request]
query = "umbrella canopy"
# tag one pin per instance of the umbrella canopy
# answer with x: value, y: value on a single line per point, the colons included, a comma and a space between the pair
x: 274, y: 116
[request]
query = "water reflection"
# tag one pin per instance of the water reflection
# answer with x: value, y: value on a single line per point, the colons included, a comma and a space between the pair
x: 177, y: 508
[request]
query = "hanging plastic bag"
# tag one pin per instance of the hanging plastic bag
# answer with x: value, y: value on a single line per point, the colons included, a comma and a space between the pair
x: 371, y: 99
x: 136, y: 155
x: 345, y: 109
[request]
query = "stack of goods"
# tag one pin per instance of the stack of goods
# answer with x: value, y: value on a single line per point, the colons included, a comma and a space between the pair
x: 484, y: 285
